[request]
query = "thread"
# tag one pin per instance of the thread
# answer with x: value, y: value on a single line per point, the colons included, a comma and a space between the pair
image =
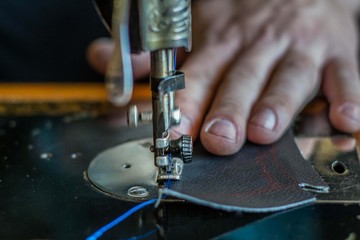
x: 118, y: 220
x: 124, y: 216
x: 141, y: 236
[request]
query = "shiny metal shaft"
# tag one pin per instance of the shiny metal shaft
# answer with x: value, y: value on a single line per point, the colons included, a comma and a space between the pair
x: 162, y: 66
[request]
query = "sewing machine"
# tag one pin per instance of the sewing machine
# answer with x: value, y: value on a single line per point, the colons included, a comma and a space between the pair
x: 45, y: 194
x: 158, y: 27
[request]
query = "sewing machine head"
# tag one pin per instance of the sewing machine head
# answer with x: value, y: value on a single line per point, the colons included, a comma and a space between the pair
x: 158, y: 27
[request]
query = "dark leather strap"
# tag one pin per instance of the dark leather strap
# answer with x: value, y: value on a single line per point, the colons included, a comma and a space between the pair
x: 256, y: 179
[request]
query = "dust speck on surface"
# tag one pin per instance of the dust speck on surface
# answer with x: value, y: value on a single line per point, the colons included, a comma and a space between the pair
x: 35, y: 132
x: 75, y: 155
x: 46, y: 156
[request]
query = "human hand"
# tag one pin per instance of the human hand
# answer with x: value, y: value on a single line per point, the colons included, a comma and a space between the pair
x: 255, y: 64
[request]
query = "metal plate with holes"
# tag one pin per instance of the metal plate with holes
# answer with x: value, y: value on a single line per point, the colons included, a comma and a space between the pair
x: 132, y: 177
x: 126, y: 171
x: 43, y: 193
x: 336, y: 160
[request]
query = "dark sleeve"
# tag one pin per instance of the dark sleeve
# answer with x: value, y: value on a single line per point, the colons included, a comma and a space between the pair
x: 46, y: 41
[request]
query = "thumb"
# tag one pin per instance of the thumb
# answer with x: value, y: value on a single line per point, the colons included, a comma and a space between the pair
x: 99, y: 53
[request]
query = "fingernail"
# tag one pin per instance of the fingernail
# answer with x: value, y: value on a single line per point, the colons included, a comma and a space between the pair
x: 184, y: 127
x: 265, y: 118
x: 222, y: 128
x: 351, y: 111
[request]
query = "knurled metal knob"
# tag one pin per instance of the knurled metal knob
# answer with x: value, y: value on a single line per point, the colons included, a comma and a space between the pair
x: 186, y: 148
x: 182, y: 147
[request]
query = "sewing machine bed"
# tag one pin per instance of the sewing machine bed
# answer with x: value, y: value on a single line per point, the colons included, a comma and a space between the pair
x: 44, y: 194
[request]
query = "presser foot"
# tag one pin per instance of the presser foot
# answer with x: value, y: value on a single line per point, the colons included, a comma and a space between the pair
x: 172, y: 172
x: 127, y: 171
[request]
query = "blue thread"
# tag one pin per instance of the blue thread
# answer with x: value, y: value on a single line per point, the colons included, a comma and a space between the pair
x: 121, y: 218
x: 141, y: 236
x: 105, y: 228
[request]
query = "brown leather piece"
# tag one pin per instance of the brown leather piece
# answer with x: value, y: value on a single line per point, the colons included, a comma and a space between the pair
x: 259, y: 178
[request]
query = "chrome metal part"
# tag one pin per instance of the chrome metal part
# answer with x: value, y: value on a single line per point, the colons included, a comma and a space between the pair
x: 175, y: 116
x: 164, y: 81
x: 138, y: 192
x: 336, y: 159
x: 162, y: 142
x: 119, y: 77
x: 165, y: 24
x: 162, y: 161
x: 333, y: 154
x: 146, y: 117
x: 126, y: 171
x: 182, y: 148
x: 135, y: 118
x: 174, y: 171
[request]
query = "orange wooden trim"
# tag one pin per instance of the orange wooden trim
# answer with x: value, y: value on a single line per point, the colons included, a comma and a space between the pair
x: 59, y: 92
x: 357, y: 137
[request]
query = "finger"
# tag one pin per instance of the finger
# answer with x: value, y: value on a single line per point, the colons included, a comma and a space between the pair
x: 344, y: 144
x: 342, y: 88
x: 202, y: 70
x: 99, y: 54
x: 224, y: 129
x: 293, y: 83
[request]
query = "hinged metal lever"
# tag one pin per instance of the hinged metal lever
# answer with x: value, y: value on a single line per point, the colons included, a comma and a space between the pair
x: 119, y: 77
x: 169, y: 84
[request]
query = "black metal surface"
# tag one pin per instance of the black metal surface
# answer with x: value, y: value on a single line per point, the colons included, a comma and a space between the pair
x: 43, y: 194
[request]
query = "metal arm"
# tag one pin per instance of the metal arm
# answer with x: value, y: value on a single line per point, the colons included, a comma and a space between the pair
x: 164, y: 25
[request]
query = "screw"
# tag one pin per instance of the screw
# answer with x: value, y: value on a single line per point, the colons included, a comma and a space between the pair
x: 134, y: 117
x: 138, y: 192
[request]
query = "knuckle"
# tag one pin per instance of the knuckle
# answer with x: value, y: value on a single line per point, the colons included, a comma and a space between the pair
x: 233, y: 109
x: 300, y: 68
x: 246, y: 70
x: 283, y: 101
x: 298, y: 63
